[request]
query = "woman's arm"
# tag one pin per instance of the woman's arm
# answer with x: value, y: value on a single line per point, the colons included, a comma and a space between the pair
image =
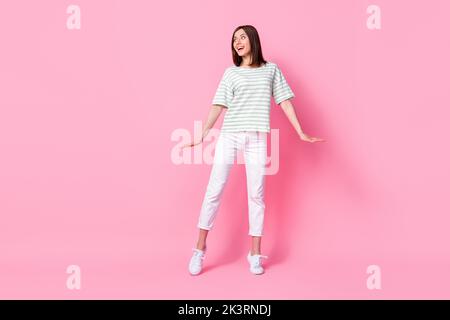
x: 290, y: 113
x: 213, y: 115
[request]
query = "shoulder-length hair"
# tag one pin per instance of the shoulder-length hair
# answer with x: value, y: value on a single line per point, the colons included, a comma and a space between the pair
x: 255, y: 46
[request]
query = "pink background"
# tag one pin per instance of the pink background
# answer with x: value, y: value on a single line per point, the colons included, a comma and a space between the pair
x: 86, y: 176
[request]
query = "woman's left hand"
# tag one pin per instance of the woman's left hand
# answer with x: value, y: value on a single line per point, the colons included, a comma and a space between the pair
x: 307, y: 138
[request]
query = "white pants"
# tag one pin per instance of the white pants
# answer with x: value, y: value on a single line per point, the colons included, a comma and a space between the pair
x: 253, y: 144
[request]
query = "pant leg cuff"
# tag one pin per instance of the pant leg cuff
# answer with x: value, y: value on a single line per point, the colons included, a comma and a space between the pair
x: 255, y: 235
x: 203, y: 227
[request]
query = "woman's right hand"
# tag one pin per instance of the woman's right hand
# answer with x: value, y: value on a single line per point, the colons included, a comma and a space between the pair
x: 214, y: 113
x: 193, y: 143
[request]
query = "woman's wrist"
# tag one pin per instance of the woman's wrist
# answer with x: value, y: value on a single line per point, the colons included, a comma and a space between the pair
x: 205, y: 133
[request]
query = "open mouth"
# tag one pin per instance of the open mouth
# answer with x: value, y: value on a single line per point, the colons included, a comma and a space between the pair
x: 240, y: 48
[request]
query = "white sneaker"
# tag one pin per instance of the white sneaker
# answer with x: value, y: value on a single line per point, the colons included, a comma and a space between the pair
x: 196, y: 263
x: 256, y: 263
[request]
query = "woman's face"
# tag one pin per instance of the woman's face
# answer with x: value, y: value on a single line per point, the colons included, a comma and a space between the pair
x: 241, y: 43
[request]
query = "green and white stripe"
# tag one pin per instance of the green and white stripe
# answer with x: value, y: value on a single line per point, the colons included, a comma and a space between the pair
x: 246, y: 92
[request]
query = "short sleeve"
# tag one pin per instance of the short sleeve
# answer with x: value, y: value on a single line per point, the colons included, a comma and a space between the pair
x: 280, y: 88
x: 224, y: 92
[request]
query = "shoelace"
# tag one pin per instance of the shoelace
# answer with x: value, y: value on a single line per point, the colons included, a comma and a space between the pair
x: 256, y: 262
x: 198, y: 254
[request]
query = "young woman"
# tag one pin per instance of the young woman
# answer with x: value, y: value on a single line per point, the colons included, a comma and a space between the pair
x: 244, y: 91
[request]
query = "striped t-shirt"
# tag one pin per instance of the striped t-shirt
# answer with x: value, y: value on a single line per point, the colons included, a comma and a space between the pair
x: 246, y: 92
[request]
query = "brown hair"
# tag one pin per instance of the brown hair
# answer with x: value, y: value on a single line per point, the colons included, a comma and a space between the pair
x: 255, y: 47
